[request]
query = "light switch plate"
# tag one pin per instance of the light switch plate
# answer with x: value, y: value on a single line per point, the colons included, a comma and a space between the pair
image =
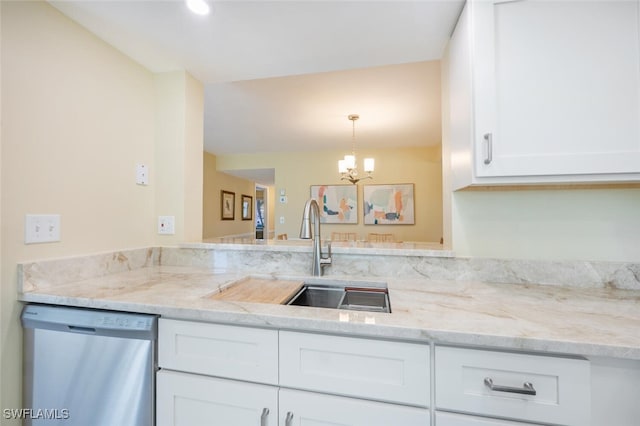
x: 41, y: 228
x: 142, y: 174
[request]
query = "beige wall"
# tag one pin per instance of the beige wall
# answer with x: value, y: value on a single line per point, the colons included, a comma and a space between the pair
x: 77, y: 116
x: 214, y: 182
x: 295, y: 172
x: 178, y: 154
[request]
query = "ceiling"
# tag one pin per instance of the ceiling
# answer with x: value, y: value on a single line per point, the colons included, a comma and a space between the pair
x: 284, y: 75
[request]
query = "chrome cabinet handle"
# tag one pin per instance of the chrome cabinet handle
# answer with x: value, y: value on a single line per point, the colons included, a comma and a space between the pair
x: 526, y: 389
x: 289, y: 420
x: 489, y: 138
x: 264, y: 417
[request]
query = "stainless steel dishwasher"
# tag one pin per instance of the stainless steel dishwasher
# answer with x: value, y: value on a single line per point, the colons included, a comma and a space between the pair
x: 88, y: 367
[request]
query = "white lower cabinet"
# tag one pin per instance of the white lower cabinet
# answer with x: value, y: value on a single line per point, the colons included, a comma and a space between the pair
x: 451, y: 419
x: 223, y: 375
x: 184, y: 399
x: 300, y: 408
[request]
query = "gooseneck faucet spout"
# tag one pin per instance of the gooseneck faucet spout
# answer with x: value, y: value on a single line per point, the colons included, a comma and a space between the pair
x: 310, y: 214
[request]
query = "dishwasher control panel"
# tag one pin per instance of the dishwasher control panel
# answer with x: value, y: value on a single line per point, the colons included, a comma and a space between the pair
x: 88, y: 321
x: 130, y: 322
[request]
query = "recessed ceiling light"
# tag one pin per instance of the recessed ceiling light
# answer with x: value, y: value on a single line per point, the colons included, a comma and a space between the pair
x: 199, y: 7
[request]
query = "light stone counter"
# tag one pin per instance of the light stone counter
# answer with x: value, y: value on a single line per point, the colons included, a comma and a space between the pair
x: 407, y: 248
x: 582, y: 321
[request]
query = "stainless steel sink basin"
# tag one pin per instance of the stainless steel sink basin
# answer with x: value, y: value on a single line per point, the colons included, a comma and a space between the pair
x: 359, y: 299
x: 318, y: 296
x: 374, y: 298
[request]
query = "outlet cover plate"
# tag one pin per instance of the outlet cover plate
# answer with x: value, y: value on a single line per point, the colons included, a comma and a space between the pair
x: 166, y: 225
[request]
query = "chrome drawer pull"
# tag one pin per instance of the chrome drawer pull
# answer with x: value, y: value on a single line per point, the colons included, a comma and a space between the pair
x: 289, y: 420
x: 489, y: 139
x: 527, y: 388
x: 264, y: 417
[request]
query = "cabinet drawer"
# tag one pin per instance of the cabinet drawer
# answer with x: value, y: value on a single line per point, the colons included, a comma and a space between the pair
x: 562, y: 385
x: 308, y: 408
x: 219, y: 350
x: 382, y: 370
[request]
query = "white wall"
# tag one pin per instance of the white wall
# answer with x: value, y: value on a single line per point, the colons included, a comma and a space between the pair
x: 566, y: 224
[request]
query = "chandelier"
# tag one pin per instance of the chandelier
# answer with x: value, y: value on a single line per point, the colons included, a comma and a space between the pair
x: 348, y: 167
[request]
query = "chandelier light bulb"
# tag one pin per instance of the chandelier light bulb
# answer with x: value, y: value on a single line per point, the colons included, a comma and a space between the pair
x: 369, y: 165
x: 350, y: 161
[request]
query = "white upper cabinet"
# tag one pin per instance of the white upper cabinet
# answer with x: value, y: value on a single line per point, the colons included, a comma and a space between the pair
x: 545, y: 91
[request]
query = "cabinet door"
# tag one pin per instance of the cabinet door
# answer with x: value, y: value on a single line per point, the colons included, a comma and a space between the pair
x: 298, y: 408
x: 450, y: 419
x: 557, y: 87
x: 191, y: 400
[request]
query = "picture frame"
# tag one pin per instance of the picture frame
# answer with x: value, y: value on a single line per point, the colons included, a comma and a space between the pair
x: 227, y: 205
x: 246, y: 207
x: 337, y: 203
x: 391, y: 204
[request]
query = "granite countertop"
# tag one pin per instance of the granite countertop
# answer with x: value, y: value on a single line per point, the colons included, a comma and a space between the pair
x: 589, y: 322
x: 406, y: 248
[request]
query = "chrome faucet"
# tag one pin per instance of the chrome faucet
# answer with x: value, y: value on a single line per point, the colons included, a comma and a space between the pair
x: 312, y: 213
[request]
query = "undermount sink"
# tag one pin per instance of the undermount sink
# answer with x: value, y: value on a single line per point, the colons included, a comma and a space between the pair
x: 358, y: 297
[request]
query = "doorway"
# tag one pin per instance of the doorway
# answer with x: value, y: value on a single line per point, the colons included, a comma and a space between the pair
x: 262, y: 221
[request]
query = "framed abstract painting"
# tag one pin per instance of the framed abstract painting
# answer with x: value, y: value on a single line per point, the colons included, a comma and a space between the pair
x: 338, y: 203
x: 389, y: 204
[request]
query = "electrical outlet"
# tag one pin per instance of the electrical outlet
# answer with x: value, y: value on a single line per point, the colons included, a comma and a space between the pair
x: 281, y: 220
x: 41, y: 228
x: 166, y: 225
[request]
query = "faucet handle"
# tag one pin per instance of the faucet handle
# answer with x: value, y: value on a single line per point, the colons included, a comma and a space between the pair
x: 326, y: 261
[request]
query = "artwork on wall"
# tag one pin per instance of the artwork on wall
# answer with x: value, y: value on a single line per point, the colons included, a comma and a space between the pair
x: 338, y: 203
x: 389, y: 204
x: 227, y: 205
x: 247, y: 207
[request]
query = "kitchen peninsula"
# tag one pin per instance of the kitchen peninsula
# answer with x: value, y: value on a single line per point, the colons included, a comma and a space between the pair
x: 587, y: 310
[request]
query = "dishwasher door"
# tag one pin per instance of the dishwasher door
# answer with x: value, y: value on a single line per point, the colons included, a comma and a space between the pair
x: 88, y: 367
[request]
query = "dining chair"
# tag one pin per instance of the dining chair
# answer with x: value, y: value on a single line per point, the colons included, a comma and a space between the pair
x: 380, y: 238
x: 344, y: 236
